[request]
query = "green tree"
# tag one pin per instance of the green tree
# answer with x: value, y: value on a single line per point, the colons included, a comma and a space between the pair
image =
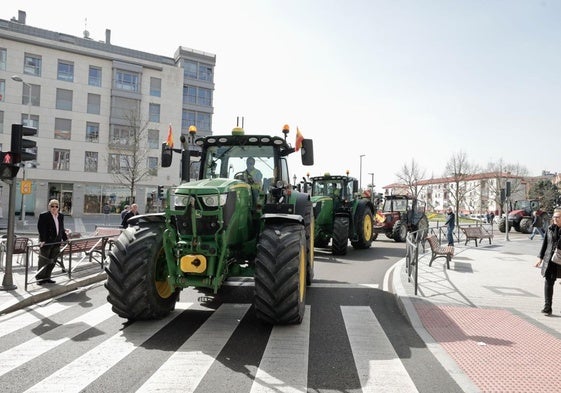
x: 547, y: 193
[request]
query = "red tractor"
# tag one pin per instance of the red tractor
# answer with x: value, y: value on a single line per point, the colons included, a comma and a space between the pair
x: 400, y: 214
x: 520, y: 217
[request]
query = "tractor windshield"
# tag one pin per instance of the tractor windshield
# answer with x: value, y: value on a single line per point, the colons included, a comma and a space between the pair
x: 396, y: 205
x: 241, y: 162
x: 327, y: 188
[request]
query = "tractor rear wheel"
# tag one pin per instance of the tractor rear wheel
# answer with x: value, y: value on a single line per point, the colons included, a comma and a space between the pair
x: 502, y: 225
x: 363, y: 227
x: 137, y: 275
x: 280, y: 274
x: 340, y: 238
x: 399, y: 232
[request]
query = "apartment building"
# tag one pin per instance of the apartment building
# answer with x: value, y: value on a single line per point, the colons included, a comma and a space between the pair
x: 90, y: 100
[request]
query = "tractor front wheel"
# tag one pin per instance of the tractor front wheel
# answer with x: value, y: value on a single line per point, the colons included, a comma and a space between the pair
x: 399, y: 232
x: 280, y: 274
x: 137, y: 275
x: 340, y: 237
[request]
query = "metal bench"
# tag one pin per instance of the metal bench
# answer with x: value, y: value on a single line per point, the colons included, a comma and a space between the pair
x: 439, y: 251
x: 476, y: 233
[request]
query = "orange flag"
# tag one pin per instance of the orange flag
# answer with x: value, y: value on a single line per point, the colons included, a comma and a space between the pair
x: 169, y: 141
x: 299, y: 139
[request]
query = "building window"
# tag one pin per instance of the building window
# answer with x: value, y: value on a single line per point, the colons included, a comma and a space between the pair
x: 94, y: 104
x: 121, y: 137
x: 34, y: 95
x: 1, y: 122
x: 190, y: 94
x: 118, y: 163
x: 203, y: 122
x: 155, y: 87
x: 31, y: 122
x: 90, y: 162
x: 204, y: 97
x: 61, y: 160
x: 188, y: 118
x: 65, y: 71
x: 64, y: 99
x: 3, y: 57
x: 128, y: 81
x: 153, y: 166
x: 154, y: 113
x: 205, y: 72
x: 2, y: 89
x: 92, y: 132
x: 125, y: 109
x: 32, y: 65
x: 63, y: 128
x: 94, y: 76
x: 154, y: 139
x: 190, y: 69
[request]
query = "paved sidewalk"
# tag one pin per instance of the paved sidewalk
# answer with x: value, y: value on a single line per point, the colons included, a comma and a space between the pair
x: 482, y: 317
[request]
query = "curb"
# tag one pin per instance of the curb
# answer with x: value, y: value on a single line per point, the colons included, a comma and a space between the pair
x: 56, y: 291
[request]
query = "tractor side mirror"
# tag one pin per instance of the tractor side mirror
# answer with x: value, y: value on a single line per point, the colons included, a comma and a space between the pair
x: 307, y: 152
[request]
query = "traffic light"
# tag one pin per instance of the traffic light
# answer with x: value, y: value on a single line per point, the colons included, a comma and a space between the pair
x: 23, y: 149
x: 167, y: 155
x: 7, y: 169
x: 160, y: 192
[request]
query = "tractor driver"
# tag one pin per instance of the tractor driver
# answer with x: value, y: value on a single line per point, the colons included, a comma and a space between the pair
x: 254, y: 175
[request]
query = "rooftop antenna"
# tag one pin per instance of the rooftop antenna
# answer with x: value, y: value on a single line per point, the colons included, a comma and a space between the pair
x: 86, y: 32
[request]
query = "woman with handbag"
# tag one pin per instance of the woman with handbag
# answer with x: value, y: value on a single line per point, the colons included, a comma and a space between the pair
x: 550, y: 259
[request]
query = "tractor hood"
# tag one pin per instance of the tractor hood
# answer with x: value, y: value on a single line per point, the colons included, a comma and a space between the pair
x: 219, y: 185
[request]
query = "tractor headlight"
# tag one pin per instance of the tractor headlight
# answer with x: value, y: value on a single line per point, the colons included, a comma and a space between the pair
x: 181, y: 200
x: 215, y: 200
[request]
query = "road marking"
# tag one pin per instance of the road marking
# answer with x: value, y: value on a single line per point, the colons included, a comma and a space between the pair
x: 284, y: 365
x: 373, y: 353
x: 250, y: 283
x: 26, y: 317
x: 37, y: 346
x: 185, y: 369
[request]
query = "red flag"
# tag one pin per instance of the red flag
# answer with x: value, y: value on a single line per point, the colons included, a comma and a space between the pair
x: 169, y: 141
x: 299, y: 139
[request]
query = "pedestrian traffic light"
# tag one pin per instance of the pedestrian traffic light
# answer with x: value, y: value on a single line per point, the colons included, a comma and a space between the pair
x: 23, y: 149
x: 160, y: 192
x: 7, y: 169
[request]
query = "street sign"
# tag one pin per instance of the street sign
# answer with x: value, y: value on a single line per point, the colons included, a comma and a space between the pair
x: 25, y: 187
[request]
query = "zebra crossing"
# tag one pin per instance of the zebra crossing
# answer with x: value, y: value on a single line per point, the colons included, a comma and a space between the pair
x: 283, y: 366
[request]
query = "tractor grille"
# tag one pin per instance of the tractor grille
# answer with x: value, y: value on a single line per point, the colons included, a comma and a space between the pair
x: 207, y: 225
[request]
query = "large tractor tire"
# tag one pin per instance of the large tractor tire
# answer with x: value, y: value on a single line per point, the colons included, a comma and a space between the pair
x: 399, y: 233
x: 136, y: 275
x: 526, y: 225
x: 364, y: 221
x: 502, y: 225
x: 280, y: 274
x: 340, y: 238
x: 310, y: 240
x: 422, y: 227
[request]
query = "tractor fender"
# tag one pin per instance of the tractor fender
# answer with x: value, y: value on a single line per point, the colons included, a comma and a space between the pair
x: 152, y: 217
x: 282, y: 217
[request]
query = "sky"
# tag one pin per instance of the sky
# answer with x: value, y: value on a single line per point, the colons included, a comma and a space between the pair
x: 374, y: 83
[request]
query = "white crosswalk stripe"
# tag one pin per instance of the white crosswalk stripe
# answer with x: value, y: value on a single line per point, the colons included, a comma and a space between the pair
x: 80, y: 373
x: 195, y: 357
x: 283, y: 367
x: 12, y: 322
x: 377, y: 363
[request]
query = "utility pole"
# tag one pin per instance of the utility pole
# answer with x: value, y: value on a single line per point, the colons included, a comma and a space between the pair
x: 8, y: 280
x: 360, y: 173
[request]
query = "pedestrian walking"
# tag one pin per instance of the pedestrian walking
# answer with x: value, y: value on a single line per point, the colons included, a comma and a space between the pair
x: 125, y: 211
x: 450, y: 223
x: 537, y: 226
x: 549, y: 269
x: 50, y: 226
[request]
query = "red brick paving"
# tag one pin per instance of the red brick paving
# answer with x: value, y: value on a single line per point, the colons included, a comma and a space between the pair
x: 498, y: 351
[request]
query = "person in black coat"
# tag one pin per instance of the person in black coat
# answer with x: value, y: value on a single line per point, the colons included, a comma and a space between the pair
x: 131, y: 213
x: 550, y: 270
x: 50, y: 226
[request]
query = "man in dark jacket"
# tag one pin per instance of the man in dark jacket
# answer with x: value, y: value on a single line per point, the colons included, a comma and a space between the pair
x: 450, y: 223
x: 131, y: 213
x: 551, y: 271
x: 51, y: 233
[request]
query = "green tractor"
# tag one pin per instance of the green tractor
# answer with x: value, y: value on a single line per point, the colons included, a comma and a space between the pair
x: 341, y: 213
x: 231, y: 221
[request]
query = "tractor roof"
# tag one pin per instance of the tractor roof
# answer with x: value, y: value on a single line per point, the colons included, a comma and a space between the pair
x: 245, y: 140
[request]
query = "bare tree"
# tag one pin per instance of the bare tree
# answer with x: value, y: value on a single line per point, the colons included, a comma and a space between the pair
x: 514, y: 173
x: 459, y: 170
x: 410, y: 176
x: 128, y: 156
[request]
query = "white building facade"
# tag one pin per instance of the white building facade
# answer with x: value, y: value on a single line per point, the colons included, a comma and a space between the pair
x: 81, y: 94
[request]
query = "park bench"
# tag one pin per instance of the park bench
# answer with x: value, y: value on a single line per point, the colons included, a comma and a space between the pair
x: 476, y: 233
x: 439, y: 251
x: 112, y: 233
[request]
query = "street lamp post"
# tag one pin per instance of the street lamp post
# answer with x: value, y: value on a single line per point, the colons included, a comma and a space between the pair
x: 18, y: 78
x: 360, y: 173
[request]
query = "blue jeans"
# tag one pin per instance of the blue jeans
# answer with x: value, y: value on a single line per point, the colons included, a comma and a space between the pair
x: 450, y: 236
x: 535, y: 231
